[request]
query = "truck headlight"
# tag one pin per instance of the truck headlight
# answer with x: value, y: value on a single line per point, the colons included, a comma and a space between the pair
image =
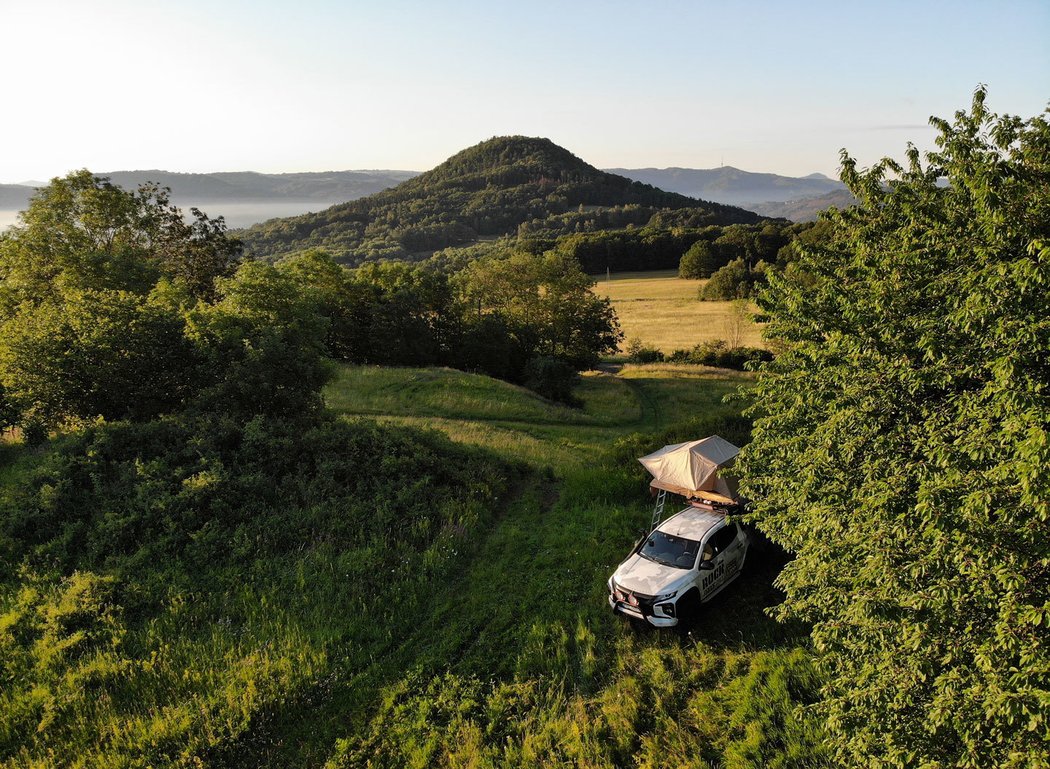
x: 665, y: 596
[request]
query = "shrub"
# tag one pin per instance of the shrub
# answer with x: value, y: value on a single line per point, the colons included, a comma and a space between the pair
x: 734, y: 281
x: 638, y: 352
x: 721, y: 355
x: 552, y: 378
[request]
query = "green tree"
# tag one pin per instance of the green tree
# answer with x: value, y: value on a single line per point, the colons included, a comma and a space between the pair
x: 262, y: 343
x: 198, y: 253
x: 901, y: 451
x: 82, y: 232
x: 733, y: 281
x: 113, y: 354
x: 8, y: 410
x: 548, y: 299
x: 95, y: 283
x: 699, y: 261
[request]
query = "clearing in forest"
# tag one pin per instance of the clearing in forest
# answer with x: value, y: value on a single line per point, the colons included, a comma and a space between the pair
x: 664, y: 312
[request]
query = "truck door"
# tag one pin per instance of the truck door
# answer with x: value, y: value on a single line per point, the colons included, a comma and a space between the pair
x: 722, y: 551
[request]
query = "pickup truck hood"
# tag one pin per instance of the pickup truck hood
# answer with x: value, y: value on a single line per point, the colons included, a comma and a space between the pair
x: 640, y: 575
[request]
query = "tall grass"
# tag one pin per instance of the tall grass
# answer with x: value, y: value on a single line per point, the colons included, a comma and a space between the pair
x: 664, y: 311
x: 335, y: 608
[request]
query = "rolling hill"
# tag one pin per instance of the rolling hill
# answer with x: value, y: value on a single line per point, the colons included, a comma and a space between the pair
x: 731, y: 185
x: 805, y: 209
x: 242, y: 197
x: 485, y: 191
x: 14, y: 197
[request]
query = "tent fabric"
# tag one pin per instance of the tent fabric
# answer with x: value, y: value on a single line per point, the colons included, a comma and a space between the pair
x: 694, y: 465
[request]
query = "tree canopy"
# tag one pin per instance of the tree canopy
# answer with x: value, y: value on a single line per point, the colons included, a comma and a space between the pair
x: 901, y: 450
x: 494, y: 188
x: 113, y: 306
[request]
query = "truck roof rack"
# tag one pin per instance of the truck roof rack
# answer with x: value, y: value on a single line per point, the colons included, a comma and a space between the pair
x: 704, y: 500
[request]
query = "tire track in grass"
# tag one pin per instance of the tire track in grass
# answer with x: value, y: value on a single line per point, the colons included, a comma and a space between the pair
x: 651, y: 416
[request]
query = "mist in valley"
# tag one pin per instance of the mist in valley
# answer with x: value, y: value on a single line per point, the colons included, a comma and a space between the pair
x: 237, y: 214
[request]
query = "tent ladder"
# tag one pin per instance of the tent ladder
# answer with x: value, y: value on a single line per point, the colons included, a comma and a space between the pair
x: 658, y: 511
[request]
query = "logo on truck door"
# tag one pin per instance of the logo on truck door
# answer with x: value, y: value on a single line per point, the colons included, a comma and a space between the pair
x: 712, y: 577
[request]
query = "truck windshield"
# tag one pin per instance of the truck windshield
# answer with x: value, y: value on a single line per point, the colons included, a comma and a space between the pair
x: 670, y: 550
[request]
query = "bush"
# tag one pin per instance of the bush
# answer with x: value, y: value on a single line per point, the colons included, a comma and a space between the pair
x: 638, y: 352
x: 734, y: 281
x: 552, y: 378
x: 171, y: 573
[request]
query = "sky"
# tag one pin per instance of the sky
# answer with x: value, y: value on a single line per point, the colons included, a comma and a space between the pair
x: 315, y: 85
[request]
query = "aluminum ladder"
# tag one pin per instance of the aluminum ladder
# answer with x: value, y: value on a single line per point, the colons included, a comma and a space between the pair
x: 658, y: 511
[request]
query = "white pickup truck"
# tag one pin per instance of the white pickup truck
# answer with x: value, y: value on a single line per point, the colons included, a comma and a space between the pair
x: 683, y: 562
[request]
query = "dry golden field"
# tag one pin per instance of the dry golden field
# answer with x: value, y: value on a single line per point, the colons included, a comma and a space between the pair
x: 663, y: 311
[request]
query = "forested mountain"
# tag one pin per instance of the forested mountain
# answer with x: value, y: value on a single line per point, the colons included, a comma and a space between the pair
x: 731, y: 185
x: 488, y: 190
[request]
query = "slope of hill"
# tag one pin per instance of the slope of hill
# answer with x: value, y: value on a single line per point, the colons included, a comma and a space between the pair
x: 365, y: 595
x: 731, y: 185
x: 484, y: 191
x: 804, y: 209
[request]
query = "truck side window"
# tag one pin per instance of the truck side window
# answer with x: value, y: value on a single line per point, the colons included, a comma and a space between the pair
x: 723, y: 538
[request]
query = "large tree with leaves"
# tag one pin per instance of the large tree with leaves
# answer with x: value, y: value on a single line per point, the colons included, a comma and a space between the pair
x: 901, y: 451
x: 95, y: 282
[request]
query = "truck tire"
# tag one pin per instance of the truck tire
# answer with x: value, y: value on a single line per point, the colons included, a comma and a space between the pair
x: 688, y: 606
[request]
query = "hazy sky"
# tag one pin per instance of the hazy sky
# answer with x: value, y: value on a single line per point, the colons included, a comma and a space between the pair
x: 311, y: 85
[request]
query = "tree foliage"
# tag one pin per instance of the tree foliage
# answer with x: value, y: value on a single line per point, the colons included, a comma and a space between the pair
x: 901, y: 451
x: 547, y: 297
x: 698, y: 261
x: 113, y: 306
x: 493, y: 188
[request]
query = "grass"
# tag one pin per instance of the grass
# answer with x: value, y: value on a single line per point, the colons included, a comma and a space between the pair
x: 664, y: 312
x: 499, y: 649
x: 522, y: 622
x: 515, y: 422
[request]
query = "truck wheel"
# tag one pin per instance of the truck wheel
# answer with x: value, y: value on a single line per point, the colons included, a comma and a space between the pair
x: 688, y: 605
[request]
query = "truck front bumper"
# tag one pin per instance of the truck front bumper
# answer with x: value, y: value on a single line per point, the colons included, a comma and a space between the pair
x: 637, y: 613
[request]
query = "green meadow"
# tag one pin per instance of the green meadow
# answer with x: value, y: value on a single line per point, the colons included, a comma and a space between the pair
x: 518, y: 660
x: 663, y: 311
x: 434, y: 598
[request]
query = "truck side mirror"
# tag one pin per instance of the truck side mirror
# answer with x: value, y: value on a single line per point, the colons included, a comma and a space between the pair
x: 642, y: 537
x: 706, y: 565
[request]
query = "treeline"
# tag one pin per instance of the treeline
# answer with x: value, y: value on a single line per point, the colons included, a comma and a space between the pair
x: 526, y: 318
x: 112, y: 306
x: 495, y: 188
x: 663, y: 248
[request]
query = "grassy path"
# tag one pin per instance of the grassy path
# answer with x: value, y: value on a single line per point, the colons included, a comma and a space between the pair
x: 525, y: 600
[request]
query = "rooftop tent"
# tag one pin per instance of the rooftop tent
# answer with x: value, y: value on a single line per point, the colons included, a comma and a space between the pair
x: 691, y: 468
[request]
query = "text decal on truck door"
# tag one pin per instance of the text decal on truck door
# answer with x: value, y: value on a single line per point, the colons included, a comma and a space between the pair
x: 712, y: 577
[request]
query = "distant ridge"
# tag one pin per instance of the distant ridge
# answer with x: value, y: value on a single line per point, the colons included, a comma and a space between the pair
x: 805, y: 209
x: 731, y: 185
x: 15, y: 197
x: 249, y: 186
x: 486, y: 190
